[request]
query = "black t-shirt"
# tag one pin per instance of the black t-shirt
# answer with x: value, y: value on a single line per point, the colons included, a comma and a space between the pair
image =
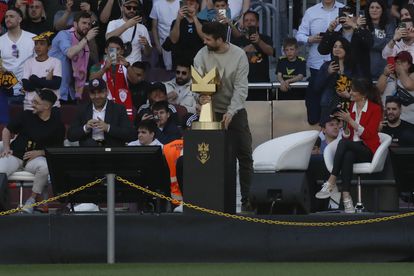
x: 258, y: 61
x: 189, y: 42
x: 291, y: 69
x: 404, y: 130
x: 36, y: 27
x: 34, y: 133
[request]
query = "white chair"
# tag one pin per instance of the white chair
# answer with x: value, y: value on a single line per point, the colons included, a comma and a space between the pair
x: 289, y: 152
x: 376, y: 165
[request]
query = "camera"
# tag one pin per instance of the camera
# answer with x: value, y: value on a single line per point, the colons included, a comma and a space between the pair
x: 156, y: 118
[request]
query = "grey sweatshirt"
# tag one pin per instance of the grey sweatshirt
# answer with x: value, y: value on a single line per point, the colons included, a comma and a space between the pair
x: 233, y: 67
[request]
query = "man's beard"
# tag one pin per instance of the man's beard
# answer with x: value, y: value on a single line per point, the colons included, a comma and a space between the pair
x: 181, y: 81
x: 80, y: 34
x: 211, y: 48
x: 392, y: 120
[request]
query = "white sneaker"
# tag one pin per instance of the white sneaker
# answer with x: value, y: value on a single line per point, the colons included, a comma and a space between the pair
x: 178, y: 209
x: 27, y: 208
x: 349, y: 206
x: 327, y: 190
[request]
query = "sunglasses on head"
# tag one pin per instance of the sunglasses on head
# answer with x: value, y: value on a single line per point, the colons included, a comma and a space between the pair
x: 134, y: 8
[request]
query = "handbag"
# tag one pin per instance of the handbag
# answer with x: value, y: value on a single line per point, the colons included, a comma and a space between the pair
x: 405, y: 97
x: 128, y: 45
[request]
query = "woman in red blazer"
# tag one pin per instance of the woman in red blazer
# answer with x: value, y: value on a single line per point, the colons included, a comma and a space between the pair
x: 363, y: 119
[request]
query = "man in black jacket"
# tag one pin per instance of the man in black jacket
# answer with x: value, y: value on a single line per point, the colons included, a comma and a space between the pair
x: 101, y: 122
x: 355, y: 31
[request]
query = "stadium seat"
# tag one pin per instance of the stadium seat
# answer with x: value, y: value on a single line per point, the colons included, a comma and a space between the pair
x: 376, y: 165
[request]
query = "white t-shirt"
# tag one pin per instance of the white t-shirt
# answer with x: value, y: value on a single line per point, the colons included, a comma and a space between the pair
x: 236, y: 7
x: 14, y: 55
x: 165, y: 12
x: 153, y: 143
x: 126, y: 36
x: 40, y: 69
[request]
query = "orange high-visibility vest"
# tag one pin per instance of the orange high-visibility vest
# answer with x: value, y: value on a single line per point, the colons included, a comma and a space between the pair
x: 172, y: 151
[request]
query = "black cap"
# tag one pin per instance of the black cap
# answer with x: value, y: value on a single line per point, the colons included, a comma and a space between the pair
x: 327, y: 119
x: 97, y: 84
x: 47, y: 95
x: 157, y: 86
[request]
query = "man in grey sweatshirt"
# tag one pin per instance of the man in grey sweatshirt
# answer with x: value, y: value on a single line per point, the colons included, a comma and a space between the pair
x: 230, y: 97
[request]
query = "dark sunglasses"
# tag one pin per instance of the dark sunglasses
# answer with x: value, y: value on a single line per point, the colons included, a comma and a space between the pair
x: 134, y: 8
x: 15, y: 51
x: 181, y: 72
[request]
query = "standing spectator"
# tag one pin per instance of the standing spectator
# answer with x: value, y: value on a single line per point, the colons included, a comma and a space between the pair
x: 403, y: 39
x: 382, y: 32
x: 397, y: 6
x: 258, y: 48
x: 16, y: 46
x: 64, y: 18
x: 36, y: 130
x: 71, y: 48
x: 315, y: 21
x: 355, y: 31
x: 237, y: 7
x: 114, y: 71
x: 41, y: 71
x: 163, y: 14
x: 186, y: 33
x: 290, y: 68
x: 179, y: 88
x: 131, y: 31
x: 402, y: 132
x: 229, y: 100
x: 35, y: 20
x: 404, y: 70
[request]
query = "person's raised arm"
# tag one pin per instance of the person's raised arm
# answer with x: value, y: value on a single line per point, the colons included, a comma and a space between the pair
x: 106, y: 12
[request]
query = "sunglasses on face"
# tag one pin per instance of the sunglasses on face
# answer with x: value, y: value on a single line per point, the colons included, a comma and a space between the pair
x: 134, y: 8
x: 181, y: 72
x: 15, y: 51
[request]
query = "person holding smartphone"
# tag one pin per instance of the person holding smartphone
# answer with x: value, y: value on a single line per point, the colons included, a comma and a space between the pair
x: 258, y: 48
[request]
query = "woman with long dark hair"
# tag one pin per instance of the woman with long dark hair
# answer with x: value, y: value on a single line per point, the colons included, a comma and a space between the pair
x: 382, y: 31
x: 363, y: 118
x: 334, y: 77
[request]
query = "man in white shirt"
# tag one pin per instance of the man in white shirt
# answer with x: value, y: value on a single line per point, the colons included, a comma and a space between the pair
x: 16, y: 46
x: 179, y: 88
x: 163, y: 14
x: 316, y: 21
x: 129, y: 29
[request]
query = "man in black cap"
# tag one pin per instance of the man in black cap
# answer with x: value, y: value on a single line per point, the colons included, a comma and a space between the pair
x: 101, y: 122
x: 36, y: 129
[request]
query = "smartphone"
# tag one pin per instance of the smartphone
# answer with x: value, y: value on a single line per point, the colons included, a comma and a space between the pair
x: 335, y: 59
x: 94, y: 24
x: 222, y: 12
x: 402, y: 25
x: 341, y: 12
x: 391, y: 60
x: 182, y: 4
x: 113, y: 54
x: 251, y: 30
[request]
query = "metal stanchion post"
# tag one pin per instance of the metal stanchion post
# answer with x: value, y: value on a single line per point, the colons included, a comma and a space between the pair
x: 110, y: 178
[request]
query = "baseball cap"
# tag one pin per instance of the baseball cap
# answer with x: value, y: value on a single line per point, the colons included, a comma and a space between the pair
x: 97, y: 84
x: 129, y: 1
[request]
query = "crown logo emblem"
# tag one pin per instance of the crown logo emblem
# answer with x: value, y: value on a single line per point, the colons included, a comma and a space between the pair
x: 203, y: 153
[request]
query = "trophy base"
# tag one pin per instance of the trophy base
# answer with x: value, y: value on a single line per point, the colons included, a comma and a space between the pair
x: 206, y: 125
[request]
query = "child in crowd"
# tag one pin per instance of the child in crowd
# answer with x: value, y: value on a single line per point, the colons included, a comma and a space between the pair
x: 146, y: 134
x: 290, y: 68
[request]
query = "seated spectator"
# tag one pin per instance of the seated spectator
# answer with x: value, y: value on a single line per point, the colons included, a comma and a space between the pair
x: 35, y: 131
x: 402, y: 132
x: 403, y: 39
x: 156, y: 93
x: 167, y: 130
x: 138, y: 86
x: 146, y: 134
x: 41, y: 71
x: 35, y: 20
x: 132, y: 33
x: 355, y: 31
x: 101, y: 122
x: 163, y: 14
x: 258, y: 48
x: 290, y: 68
x: 16, y: 46
x: 64, y: 18
x: 114, y: 70
x: 334, y: 77
x: 329, y: 132
x: 186, y: 35
x: 71, y: 47
x: 382, y: 32
x: 179, y: 88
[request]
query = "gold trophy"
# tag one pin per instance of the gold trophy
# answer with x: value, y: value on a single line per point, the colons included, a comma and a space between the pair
x: 206, y: 85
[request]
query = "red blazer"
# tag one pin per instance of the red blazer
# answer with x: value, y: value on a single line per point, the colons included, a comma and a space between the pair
x: 370, y: 120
